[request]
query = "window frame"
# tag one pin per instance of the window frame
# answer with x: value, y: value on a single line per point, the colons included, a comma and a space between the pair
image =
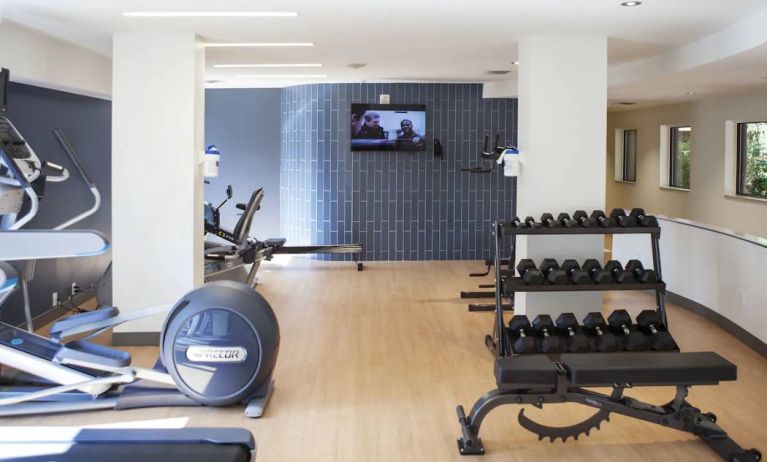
x: 741, y: 163
x: 673, y: 133
x: 625, y: 175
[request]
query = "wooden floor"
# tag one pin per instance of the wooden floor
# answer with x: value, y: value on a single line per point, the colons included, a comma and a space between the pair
x: 373, y: 364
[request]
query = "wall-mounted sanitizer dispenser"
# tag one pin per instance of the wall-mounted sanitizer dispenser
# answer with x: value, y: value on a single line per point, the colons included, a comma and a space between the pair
x: 511, y: 159
x: 211, y: 161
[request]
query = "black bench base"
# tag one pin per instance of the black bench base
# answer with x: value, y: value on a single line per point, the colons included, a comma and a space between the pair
x: 537, y: 380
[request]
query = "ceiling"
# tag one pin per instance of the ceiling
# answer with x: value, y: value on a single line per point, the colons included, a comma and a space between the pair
x: 423, y: 40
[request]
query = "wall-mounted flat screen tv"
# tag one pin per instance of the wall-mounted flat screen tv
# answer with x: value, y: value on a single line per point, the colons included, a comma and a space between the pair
x: 388, y: 127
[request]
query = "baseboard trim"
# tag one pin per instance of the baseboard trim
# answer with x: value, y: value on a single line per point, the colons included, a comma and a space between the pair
x: 135, y: 338
x: 59, y: 311
x: 743, y: 335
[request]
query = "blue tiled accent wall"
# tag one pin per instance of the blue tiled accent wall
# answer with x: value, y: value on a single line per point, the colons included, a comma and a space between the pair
x: 399, y: 205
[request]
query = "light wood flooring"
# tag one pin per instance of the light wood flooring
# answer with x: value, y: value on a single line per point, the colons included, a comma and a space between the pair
x: 373, y: 364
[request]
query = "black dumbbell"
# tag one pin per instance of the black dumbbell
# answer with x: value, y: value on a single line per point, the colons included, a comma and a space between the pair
x: 552, y: 272
x: 548, y: 220
x: 529, y: 273
x: 645, y: 276
x: 575, y: 273
x: 623, y: 220
x: 660, y: 339
x: 517, y: 223
x: 642, y: 218
x: 520, y: 330
x: 598, y: 275
x: 530, y: 222
x: 602, y: 220
x: 594, y: 324
x: 581, y: 217
x: 620, y: 321
x: 568, y: 325
x: 565, y: 220
x: 548, y: 342
x: 620, y: 275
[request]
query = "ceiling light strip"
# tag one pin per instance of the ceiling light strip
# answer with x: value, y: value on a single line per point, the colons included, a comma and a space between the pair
x: 210, y: 14
x: 280, y: 76
x: 258, y: 44
x: 236, y: 66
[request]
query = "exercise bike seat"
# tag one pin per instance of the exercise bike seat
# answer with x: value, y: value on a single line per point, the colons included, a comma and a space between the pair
x: 275, y: 242
x: 74, y: 320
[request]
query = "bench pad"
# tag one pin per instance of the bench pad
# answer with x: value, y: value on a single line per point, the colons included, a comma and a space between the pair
x: 650, y: 368
x: 525, y: 371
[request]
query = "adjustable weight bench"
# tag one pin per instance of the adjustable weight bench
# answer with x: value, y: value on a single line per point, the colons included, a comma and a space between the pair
x: 539, y: 380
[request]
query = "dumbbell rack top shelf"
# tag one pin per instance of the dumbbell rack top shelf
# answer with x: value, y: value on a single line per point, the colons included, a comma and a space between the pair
x: 506, y: 286
x: 516, y: 285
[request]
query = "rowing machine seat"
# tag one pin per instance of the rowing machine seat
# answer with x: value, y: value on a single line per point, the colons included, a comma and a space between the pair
x: 275, y: 242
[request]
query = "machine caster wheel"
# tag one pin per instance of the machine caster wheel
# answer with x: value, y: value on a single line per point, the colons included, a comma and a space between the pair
x: 489, y: 343
x: 711, y: 416
x: 756, y: 453
x: 359, y: 266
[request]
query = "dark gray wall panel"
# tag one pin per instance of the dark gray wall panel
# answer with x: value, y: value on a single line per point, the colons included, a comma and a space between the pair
x: 245, y: 126
x: 86, y: 122
x: 400, y: 206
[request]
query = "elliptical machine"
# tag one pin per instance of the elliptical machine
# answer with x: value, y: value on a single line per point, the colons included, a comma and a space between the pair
x: 218, y: 345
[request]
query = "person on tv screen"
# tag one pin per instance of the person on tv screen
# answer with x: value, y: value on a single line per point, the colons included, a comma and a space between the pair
x: 371, y: 128
x: 408, y: 136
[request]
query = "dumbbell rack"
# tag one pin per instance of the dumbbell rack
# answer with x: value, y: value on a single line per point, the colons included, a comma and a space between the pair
x: 499, y: 342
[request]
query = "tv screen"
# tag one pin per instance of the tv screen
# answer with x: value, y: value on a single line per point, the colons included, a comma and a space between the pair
x: 388, y: 127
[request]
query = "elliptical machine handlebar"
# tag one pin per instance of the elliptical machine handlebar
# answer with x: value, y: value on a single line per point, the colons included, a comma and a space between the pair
x: 73, y: 157
x: 69, y: 150
x: 55, y: 172
x: 34, y: 203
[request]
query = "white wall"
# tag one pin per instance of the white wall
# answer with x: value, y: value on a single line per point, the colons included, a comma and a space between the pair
x: 41, y: 60
x: 706, y: 202
x: 719, y: 271
x: 157, y: 144
x: 562, y: 123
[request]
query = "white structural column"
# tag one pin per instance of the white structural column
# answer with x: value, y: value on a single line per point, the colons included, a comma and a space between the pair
x: 562, y: 133
x: 157, y: 144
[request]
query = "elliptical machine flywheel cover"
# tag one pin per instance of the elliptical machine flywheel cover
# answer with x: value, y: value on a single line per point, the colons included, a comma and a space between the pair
x: 220, y: 343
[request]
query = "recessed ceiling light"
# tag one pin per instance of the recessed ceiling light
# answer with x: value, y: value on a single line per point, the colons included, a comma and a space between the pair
x: 210, y: 14
x: 690, y: 93
x: 213, y: 81
x: 281, y: 76
x: 631, y: 3
x: 266, y: 65
x: 356, y: 65
x: 498, y: 72
x: 626, y: 103
x: 258, y: 44
x: 515, y: 63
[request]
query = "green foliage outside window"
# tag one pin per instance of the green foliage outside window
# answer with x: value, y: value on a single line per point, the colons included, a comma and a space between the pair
x: 753, y: 179
x: 681, y: 157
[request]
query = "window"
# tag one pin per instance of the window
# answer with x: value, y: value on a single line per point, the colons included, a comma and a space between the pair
x: 680, y: 157
x: 630, y: 155
x: 626, y: 155
x: 752, y: 159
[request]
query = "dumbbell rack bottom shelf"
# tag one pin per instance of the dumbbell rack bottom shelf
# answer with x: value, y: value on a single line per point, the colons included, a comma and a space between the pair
x: 516, y: 285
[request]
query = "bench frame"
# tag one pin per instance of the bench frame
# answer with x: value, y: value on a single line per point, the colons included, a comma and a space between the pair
x: 677, y: 414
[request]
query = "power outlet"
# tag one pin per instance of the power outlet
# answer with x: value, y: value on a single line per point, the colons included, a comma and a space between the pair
x: 74, y: 289
x: 55, y: 299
